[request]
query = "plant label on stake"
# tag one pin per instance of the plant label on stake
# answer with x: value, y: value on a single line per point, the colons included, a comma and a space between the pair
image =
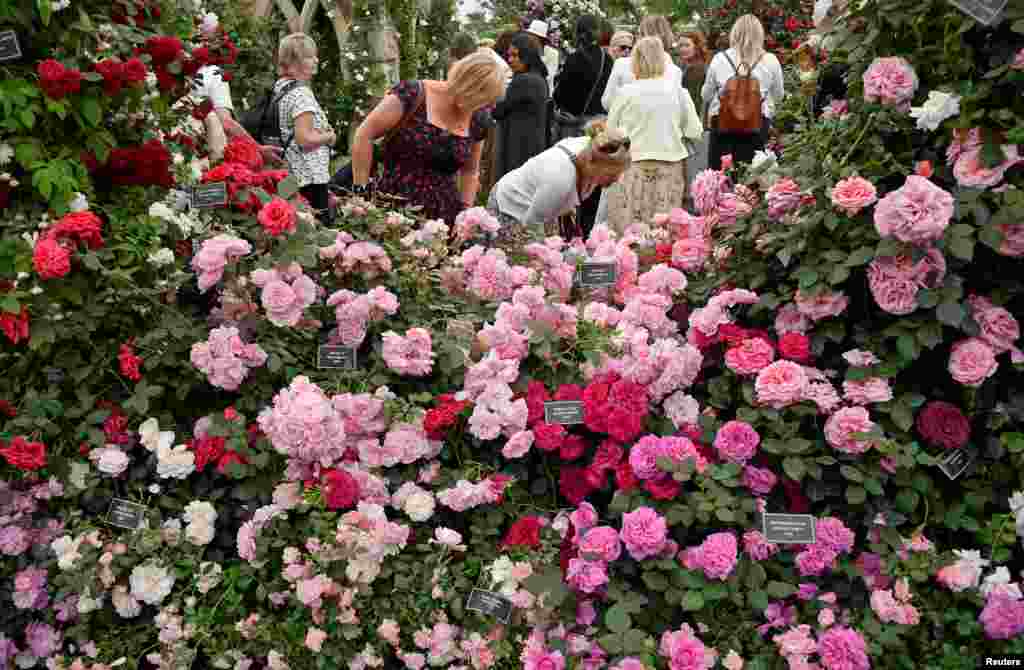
x: 563, y: 412
x: 987, y: 12
x: 953, y: 463
x: 598, y: 275
x: 126, y: 514
x: 491, y: 604
x: 336, y: 357
x: 210, y: 196
x: 10, y: 49
x: 788, y: 528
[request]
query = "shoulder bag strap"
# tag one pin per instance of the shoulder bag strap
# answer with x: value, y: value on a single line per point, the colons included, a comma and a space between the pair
x: 597, y: 81
x: 421, y: 97
x: 275, y: 104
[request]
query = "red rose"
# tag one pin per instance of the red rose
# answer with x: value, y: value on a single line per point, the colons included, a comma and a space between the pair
x: 625, y: 480
x: 625, y: 425
x: 165, y: 80
x: 25, y: 455
x: 163, y: 49
x: 942, y: 424
x: 340, y: 489
x: 438, y: 420
x: 135, y: 71
x: 79, y: 226
x: 243, y: 150
x: 112, y: 72
x: 609, y: 455
x: 230, y: 456
x: 596, y: 477
x: 524, y: 533
x: 792, y: 24
x: 51, y: 260
x: 663, y: 488
x: 8, y: 409
x: 51, y: 78
x: 129, y: 362
x: 548, y: 436
x: 207, y: 450
x: 201, y: 55
x: 15, y: 326
x: 277, y: 217
x: 732, y: 334
x: 498, y: 483
x: 230, y: 414
x: 536, y: 396
x: 573, y: 485
x: 572, y: 447
x: 795, y: 347
x: 798, y: 502
x: 569, y: 392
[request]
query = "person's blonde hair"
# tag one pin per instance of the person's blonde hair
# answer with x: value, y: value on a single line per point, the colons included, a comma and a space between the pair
x: 657, y: 26
x: 293, y: 49
x: 747, y: 38
x: 648, y: 58
x: 475, y: 81
x: 609, y: 147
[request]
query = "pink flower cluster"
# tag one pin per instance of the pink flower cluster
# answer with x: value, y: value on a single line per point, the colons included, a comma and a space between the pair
x: 893, y: 605
x: 367, y: 259
x: 644, y: 532
x: 972, y: 361
x: 853, y: 194
x: 822, y: 305
x: 844, y: 424
x: 225, y: 359
x: 214, y: 256
x: 916, y: 213
x: 757, y: 547
x: 969, y: 168
x: 963, y: 574
x: 736, y: 442
x: 895, y: 280
x: 1002, y: 617
x: 716, y: 556
x: 303, y: 424
x: 410, y: 355
x: 867, y: 391
x: 404, y: 443
x: 781, y: 384
x: 30, y: 589
x: 645, y: 454
x: 664, y: 367
x: 495, y: 412
x: 832, y: 538
x: 467, y: 495
x: 783, y: 197
x: 355, y: 312
x: 999, y: 329
x: 841, y: 648
x: 286, y: 294
x: 750, y: 356
x: 890, y: 81
x: 837, y: 109
x: 708, y: 189
x: 662, y: 280
x: 685, y: 651
x: 474, y: 222
x: 485, y: 274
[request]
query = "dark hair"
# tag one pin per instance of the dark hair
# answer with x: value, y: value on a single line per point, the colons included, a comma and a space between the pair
x: 463, y: 44
x: 528, y: 54
x: 503, y: 42
x: 588, y: 28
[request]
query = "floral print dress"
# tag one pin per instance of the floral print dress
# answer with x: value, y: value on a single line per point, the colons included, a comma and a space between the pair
x: 421, y: 161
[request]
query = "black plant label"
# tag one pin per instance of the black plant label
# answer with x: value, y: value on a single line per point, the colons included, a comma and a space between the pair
x: 598, y: 275
x: 10, y: 49
x: 563, y: 412
x: 336, y: 357
x: 210, y: 196
x: 126, y: 514
x: 982, y: 11
x: 788, y: 528
x: 953, y: 463
x: 490, y: 603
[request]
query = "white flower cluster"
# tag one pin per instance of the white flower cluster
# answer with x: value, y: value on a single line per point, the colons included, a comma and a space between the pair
x: 151, y: 583
x: 417, y: 503
x: 185, y: 222
x: 175, y: 462
x: 60, y: 5
x: 201, y: 518
x: 507, y: 576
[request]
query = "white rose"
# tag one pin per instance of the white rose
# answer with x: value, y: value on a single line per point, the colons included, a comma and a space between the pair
x: 110, y: 460
x: 209, y: 576
x: 937, y: 108
x: 210, y: 23
x: 66, y: 548
x: 152, y: 438
x: 87, y: 603
x: 767, y: 158
x: 501, y: 570
x: 79, y: 471
x: 200, y: 511
x: 161, y: 211
x: 175, y: 462
x: 79, y: 203
x: 200, y: 533
x: 151, y: 583
x: 163, y: 256
x: 170, y: 531
x: 420, y: 506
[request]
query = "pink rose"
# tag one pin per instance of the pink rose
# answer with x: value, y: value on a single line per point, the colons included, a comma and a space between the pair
x: 315, y: 639
x: 853, y: 194
x: 750, y: 356
x: 867, y: 391
x: 1013, y: 239
x: 998, y: 327
x: 821, y: 306
x: 690, y: 254
x: 894, y: 290
x: 790, y: 320
x: 1018, y: 61
x: 915, y: 213
x: 277, y: 217
x: 760, y: 481
x: 780, y: 384
x: 841, y: 426
x: 890, y: 81
x: 970, y: 171
x: 783, y: 197
x: 836, y: 109
x: 601, y: 543
x: 972, y: 361
x: 644, y: 532
x: 737, y: 441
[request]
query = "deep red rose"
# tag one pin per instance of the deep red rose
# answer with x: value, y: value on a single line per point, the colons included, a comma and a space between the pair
x: 438, y: 420
x: 572, y: 447
x: 663, y: 253
x: 795, y: 347
x: 798, y: 502
x: 574, y: 485
x: 625, y: 425
x: 129, y: 363
x: 536, y: 396
x: 115, y: 426
x: 243, y: 150
x: 7, y: 409
x: 207, y: 450
x: 50, y: 259
x: 79, y: 226
x: 609, y: 455
x: 165, y: 81
x: 567, y: 550
x: 732, y: 334
x: 524, y: 533
x: 596, y: 477
x: 625, y: 480
x: 112, y: 72
x: 135, y: 71
x: 230, y: 456
x: 25, y: 455
x: 663, y: 488
x: 51, y: 78
x: 15, y: 326
x: 942, y: 424
x: 340, y: 489
x: 202, y: 55
x: 569, y: 392
x: 163, y: 49
x: 548, y: 436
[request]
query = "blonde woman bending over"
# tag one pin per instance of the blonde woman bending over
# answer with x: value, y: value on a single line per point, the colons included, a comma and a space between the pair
x: 745, y: 54
x: 529, y: 200
x: 439, y: 127
x: 657, y: 115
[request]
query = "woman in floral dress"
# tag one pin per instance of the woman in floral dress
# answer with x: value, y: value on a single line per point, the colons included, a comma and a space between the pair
x: 439, y: 143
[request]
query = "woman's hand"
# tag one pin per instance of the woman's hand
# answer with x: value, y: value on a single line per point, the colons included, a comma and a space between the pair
x: 385, y: 116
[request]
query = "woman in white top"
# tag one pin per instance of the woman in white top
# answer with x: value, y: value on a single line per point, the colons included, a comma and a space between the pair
x: 746, y: 50
x: 306, y: 133
x: 657, y: 115
x: 622, y: 71
x: 555, y: 182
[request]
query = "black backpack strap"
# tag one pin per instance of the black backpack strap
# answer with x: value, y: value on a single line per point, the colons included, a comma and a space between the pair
x: 726, y: 54
x: 276, y: 102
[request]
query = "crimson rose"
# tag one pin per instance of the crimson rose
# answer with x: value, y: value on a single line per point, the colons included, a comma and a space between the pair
x: 942, y: 424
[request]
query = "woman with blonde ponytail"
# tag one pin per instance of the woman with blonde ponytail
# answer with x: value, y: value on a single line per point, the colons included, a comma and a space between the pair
x: 529, y: 200
x: 745, y: 56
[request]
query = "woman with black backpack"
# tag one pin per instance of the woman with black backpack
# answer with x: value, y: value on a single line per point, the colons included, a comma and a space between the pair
x: 743, y: 85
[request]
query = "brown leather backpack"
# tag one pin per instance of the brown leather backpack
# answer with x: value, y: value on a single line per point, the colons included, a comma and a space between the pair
x: 740, y: 101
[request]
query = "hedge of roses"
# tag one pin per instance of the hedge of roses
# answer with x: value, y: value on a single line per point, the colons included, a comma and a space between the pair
x: 817, y: 337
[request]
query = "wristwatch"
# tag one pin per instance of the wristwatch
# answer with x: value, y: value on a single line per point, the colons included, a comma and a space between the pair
x: 362, y: 189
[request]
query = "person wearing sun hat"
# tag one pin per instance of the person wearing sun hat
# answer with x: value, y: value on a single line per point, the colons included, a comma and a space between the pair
x: 550, y: 56
x: 621, y: 44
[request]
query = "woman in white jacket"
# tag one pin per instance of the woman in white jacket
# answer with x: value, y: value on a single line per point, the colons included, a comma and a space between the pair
x: 622, y: 71
x: 658, y: 116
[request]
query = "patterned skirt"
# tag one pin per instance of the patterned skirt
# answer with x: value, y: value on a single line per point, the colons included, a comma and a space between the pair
x: 647, y: 188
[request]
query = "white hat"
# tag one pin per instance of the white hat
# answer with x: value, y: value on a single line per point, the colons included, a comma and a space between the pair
x: 538, y: 28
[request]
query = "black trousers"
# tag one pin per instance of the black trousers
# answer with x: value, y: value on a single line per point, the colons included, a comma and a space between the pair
x: 316, y: 196
x: 742, y: 146
x: 587, y: 212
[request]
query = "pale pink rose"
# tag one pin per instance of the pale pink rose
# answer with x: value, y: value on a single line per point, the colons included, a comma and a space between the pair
x: 836, y: 109
x: 998, y: 327
x: 841, y: 426
x: 732, y: 661
x: 890, y: 81
x: 853, y: 194
x: 867, y: 391
x: 915, y: 213
x: 690, y: 254
x: 894, y: 289
x: 860, y: 358
x: 972, y: 361
x: 750, y: 356
x: 780, y: 384
x: 821, y: 306
x: 518, y: 445
x: 601, y: 543
x: 783, y: 197
x: 971, y: 172
x: 315, y: 639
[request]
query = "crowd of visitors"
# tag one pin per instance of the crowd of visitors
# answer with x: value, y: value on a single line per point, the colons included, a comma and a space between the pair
x: 608, y: 132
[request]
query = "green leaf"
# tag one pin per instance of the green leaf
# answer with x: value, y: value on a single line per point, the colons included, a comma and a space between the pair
x: 725, y: 515
x: 861, y: 256
x: 907, y: 346
x: 856, y: 495
x: 907, y: 500
x: 617, y: 619
x: 851, y: 473
x: 758, y: 600
x: 655, y: 581
x: 962, y: 248
x: 91, y: 111
x: 950, y: 313
x: 794, y: 468
x: 693, y: 601
x: 756, y: 576
x: 873, y: 486
x: 10, y: 304
x: 777, y: 589
x: 634, y: 641
x: 288, y: 187
x: 611, y: 643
